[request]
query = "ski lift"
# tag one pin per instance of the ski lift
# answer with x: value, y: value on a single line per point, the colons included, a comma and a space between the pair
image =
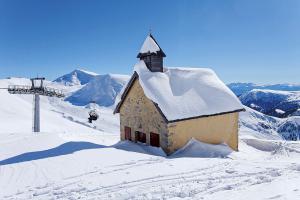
x: 93, y: 115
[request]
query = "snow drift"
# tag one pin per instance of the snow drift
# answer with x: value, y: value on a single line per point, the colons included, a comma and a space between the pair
x: 195, y: 148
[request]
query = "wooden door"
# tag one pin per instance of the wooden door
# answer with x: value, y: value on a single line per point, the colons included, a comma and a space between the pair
x: 127, y: 133
x: 154, y: 139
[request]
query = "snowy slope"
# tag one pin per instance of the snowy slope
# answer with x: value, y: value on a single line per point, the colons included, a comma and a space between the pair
x: 241, y: 88
x: 56, y: 115
x: 76, y: 77
x: 271, y: 102
x: 90, y: 166
x: 71, y: 159
x: 259, y: 125
x: 290, y: 128
x: 103, y: 89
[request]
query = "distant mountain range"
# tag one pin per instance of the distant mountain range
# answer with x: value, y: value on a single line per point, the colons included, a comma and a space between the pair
x: 278, y: 100
x: 271, y: 102
x: 241, y: 88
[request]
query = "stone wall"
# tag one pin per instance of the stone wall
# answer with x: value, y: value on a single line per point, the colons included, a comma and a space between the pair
x: 140, y: 114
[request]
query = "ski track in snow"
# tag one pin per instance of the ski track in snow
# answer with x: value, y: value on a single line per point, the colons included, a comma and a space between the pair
x: 193, y: 184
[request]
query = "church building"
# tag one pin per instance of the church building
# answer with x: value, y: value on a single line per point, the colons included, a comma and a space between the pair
x: 166, y: 107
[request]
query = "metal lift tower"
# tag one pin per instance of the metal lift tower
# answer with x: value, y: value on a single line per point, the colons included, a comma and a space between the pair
x: 37, y: 88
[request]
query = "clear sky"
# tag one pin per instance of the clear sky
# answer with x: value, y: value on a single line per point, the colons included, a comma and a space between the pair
x: 246, y: 41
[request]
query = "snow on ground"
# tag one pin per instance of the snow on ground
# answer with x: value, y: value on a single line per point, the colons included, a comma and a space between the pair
x: 71, y: 159
x: 63, y: 166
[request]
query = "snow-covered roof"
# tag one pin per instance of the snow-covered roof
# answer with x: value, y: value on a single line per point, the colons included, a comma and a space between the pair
x: 150, y: 46
x: 183, y: 93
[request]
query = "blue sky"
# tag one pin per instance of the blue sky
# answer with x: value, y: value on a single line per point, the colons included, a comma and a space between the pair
x: 245, y: 41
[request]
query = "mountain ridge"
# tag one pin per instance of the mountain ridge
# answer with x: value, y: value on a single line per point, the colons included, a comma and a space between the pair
x: 240, y: 88
x: 76, y: 77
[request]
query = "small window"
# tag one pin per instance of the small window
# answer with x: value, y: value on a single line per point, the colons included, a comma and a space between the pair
x: 127, y: 133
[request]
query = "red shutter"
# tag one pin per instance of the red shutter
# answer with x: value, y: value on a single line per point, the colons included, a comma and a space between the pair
x: 127, y: 133
x: 143, y: 137
x: 154, y: 139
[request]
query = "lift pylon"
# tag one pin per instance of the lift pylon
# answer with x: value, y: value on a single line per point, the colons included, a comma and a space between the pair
x: 37, y: 88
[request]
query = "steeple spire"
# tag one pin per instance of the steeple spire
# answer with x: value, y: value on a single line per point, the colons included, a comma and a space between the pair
x: 152, y: 54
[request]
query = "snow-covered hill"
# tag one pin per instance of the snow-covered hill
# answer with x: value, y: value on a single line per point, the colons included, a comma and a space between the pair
x: 271, y: 102
x: 76, y: 77
x: 290, y: 128
x: 89, y: 86
x: 260, y: 125
x: 103, y: 89
x: 241, y: 88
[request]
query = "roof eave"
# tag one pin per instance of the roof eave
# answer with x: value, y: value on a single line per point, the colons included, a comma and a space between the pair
x: 127, y: 89
x: 210, y: 115
x: 160, y: 52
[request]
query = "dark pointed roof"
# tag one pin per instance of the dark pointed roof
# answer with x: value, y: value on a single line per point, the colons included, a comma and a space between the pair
x: 150, y: 46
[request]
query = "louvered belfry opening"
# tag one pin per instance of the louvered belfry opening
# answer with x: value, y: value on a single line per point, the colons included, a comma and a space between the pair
x: 154, y: 62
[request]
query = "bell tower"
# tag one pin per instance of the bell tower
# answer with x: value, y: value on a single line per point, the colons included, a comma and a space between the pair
x: 152, y: 54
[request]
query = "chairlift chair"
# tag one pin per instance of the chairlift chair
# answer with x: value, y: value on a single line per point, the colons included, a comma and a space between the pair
x: 93, y: 115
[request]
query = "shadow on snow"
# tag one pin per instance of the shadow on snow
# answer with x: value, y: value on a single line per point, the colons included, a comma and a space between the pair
x: 64, y: 149
x: 192, y: 149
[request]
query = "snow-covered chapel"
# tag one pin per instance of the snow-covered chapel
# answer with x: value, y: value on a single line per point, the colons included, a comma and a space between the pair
x: 166, y: 107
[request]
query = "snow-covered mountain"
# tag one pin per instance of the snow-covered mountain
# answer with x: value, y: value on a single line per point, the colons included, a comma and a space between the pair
x: 241, y: 88
x: 89, y: 86
x: 262, y: 125
x: 289, y: 128
x: 76, y: 77
x: 271, y: 102
x: 268, y: 127
x: 103, y: 89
